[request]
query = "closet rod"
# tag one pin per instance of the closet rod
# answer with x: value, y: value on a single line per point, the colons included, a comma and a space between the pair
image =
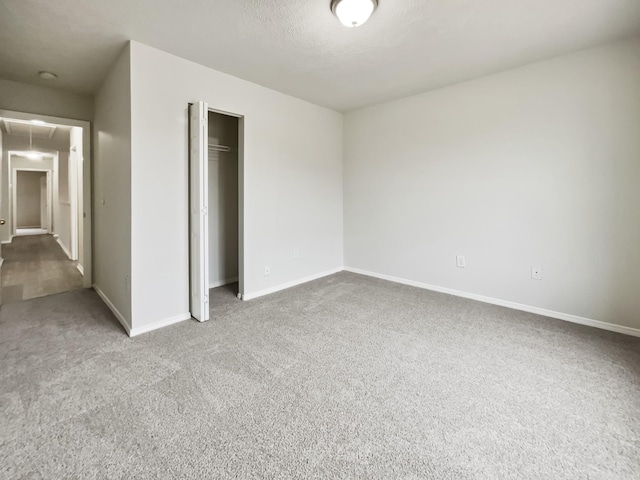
x: 220, y: 148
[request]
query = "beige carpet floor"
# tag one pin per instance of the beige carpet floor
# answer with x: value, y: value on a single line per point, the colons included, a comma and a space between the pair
x: 343, y: 377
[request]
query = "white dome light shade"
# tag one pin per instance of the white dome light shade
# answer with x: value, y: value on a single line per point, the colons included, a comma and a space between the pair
x: 353, y: 13
x: 48, y: 75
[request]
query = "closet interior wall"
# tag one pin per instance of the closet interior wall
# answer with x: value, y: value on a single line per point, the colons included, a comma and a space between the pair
x: 223, y: 199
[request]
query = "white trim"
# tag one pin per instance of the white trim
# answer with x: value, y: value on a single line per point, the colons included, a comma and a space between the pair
x: 284, y: 286
x: 74, y: 165
x: 52, y: 189
x: 221, y: 283
x: 64, y: 249
x: 25, y: 231
x: 123, y: 321
x: 7, y: 242
x: 505, y: 303
x: 159, y: 324
x: 80, y: 269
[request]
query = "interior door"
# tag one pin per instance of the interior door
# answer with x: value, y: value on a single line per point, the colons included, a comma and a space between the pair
x: 198, y: 218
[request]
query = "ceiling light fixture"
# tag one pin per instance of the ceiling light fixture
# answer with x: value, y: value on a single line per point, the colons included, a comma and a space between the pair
x: 353, y: 13
x: 48, y: 75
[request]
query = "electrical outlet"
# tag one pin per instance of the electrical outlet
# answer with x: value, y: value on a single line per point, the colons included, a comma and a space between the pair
x: 536, y: 273
x: 296, y: 254
x: 267, y: 270
x: 461, y: 261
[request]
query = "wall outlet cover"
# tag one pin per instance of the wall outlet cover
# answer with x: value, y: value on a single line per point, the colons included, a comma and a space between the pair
x: 536, y: 273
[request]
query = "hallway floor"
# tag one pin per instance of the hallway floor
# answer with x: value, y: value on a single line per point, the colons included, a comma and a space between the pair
x: 35, y: 266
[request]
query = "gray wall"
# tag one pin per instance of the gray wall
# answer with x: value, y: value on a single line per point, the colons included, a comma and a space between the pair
x: 112, y: 187
x: 292, y: 178
x: 21, y: 97
x: 28, y: 199
x: 538, y: 166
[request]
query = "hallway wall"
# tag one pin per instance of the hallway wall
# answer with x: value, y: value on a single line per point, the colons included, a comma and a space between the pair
x: 112, y: 189
x: 21, y: 97
x: 59, y: 142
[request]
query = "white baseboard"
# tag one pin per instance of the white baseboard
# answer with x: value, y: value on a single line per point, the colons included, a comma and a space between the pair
x: 23, y: 231
x: 505, y: 303
x: 284, y: 286
x: 80, y: 269
x: 159, y: 324
x: 220, y: 283
x: 113, y: 309
x: 132, y: 332
x: 6, y: 242
x: 64, y: 248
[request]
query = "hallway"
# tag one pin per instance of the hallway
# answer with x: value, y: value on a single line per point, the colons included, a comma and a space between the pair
x: 35, y: 266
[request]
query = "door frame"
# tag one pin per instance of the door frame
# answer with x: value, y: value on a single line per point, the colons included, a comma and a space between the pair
x: 87, y: 192
x: 241, y: 192
x: 241, y: 269
x: 14, y: 197
x: 74, y: 203
x: 11, y: 181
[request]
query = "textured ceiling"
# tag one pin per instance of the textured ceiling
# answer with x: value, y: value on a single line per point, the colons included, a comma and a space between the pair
x: 298, y: 47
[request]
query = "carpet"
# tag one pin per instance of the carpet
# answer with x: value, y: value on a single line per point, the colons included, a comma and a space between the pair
x: 342, y: 377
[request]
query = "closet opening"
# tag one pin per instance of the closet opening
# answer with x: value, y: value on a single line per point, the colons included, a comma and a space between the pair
x: 216, y: 193
x: 223, y: 134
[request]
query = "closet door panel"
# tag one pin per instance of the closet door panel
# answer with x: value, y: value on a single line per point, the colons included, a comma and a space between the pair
x: 198, y: 218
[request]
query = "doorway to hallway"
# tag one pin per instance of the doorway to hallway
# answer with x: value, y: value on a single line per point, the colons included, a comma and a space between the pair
x: 45, y: 206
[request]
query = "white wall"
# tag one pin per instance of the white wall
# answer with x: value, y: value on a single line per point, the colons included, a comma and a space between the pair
x: 538, y: 166
x: 292, y: 175
x: 21, y: 97
x: 112, y: 187
x: 28, y: 199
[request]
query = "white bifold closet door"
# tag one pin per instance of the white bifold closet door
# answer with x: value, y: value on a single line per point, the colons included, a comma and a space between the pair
x: 199, y: 202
